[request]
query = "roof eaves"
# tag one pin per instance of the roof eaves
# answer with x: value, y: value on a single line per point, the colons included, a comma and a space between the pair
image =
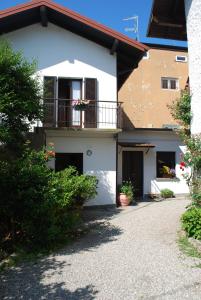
x: 75, y: 16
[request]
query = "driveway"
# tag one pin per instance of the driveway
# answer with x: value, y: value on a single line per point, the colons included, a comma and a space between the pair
x: 128, y: 254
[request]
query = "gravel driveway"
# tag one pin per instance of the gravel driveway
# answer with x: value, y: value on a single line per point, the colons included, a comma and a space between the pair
x: 128, y: 254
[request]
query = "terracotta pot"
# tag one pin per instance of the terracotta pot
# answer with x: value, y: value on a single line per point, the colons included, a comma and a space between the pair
x: 123, y: 200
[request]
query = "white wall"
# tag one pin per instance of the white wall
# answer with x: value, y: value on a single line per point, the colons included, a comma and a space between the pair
x: 61, y: 53
x: 163, y: 141
x: 102, y: 162
x: 193, y: 21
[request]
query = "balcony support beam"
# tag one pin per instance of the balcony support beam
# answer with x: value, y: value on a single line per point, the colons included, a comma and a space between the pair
x: 43, y: 16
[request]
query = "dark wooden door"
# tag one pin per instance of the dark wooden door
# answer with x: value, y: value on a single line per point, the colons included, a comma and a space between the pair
x: 64, y: 105
x: 132, y: 167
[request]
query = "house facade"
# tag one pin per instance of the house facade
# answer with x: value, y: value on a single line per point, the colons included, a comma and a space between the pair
x: 149, y: 144
x: 181, y: 20
x: 77, y: 58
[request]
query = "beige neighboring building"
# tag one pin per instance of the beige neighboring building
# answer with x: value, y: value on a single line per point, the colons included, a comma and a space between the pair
x: 156, y: 83
x: 148, y: 146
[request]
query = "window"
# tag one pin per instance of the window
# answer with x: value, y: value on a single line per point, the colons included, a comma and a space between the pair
x: 64, y: 160
x: 165, y: 164
x: 146, y: 55
x: 169, y: 83
x: 181, y: 58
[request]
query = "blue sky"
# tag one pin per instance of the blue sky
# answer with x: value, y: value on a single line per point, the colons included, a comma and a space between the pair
x: 110, y: 13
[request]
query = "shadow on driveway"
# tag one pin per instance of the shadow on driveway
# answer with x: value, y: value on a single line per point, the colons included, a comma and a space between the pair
x: 26, y: 281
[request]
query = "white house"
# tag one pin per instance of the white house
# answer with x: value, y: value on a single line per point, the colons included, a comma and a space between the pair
x: 77, y: 58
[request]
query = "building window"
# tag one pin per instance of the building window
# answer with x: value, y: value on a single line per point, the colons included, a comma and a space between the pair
x: 65, y: 160
x: 181, y: 58
x: 165, y: 164
x: 146, y: 55
x: 169, y: 83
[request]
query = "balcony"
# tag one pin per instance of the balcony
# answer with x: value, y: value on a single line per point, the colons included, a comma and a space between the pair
x: 96, y: 114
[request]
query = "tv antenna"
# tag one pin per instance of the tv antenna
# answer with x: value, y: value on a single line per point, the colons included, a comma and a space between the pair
x: 135, y: 26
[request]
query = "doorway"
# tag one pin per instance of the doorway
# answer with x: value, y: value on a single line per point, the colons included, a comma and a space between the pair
x: 132, y: 170
x: 67, y: 90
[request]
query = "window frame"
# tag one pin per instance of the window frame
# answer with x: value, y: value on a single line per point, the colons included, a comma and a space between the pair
x: 158, y: 176
x: 146, y: 55
x: 169, y: 83
x: 182, y: 61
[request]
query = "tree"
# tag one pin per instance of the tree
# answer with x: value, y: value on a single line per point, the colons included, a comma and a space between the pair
x: 20, y: 98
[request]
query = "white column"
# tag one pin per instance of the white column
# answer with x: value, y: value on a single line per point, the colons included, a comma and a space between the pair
x: 193, y: 22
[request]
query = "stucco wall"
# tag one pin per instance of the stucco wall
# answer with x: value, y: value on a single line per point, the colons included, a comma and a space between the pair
x: 193, y: 19
x: 163, y: 141
x: 102, y: 162
x: 59, y: 52
x: 144, y: 101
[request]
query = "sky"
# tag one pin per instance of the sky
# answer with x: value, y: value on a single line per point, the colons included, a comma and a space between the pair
x: 111, y: 13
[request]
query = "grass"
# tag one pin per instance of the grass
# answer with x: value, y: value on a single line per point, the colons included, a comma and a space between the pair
x: 187, y: 248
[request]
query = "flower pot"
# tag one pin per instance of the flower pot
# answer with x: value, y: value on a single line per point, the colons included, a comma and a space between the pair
x: 167, y: 176
x: 80, y: 107
x: 124, y: 200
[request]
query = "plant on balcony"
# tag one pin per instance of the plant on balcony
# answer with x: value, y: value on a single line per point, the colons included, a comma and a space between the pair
x: 80, y: 104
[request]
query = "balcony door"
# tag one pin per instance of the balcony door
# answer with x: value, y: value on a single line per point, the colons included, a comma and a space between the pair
x: 68, y: 91
x: 59, y: 94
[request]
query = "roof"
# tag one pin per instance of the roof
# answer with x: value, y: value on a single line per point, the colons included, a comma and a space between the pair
x: 167, y: 47
x: 167, y: 20
x: 129, y: 51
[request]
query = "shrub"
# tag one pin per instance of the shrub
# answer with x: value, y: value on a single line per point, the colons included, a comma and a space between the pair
x: 72, y: 190
x: 191, y: 222
x: 166, y: 193
x: 38, y: 205
x: 181, y: 109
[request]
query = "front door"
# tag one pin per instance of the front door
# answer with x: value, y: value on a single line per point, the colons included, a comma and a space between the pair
x: 132, y: 168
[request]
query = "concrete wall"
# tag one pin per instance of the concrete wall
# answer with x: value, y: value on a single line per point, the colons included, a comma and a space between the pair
x: 163, y: 141
x: 102, y: 162
x: 144, y: 101
x: 193, y: 20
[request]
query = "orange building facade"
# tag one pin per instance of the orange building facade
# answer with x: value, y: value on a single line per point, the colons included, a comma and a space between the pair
x: 155, y: 84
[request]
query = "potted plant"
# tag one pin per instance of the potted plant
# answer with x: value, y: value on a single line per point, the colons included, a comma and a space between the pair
x: 125, y: 193
x: 168, y: 172
x: 80, y: 104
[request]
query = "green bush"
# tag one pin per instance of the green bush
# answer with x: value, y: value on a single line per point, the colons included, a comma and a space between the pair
x: 166, y: 193
x: 191, y: 222
x: 72, y: 190
x: 37, y: 204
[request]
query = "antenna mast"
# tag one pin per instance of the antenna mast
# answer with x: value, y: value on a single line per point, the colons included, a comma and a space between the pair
x: 135, y: 26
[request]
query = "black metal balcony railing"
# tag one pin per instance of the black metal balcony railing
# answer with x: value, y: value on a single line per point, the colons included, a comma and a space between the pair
x: 96, y: 114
